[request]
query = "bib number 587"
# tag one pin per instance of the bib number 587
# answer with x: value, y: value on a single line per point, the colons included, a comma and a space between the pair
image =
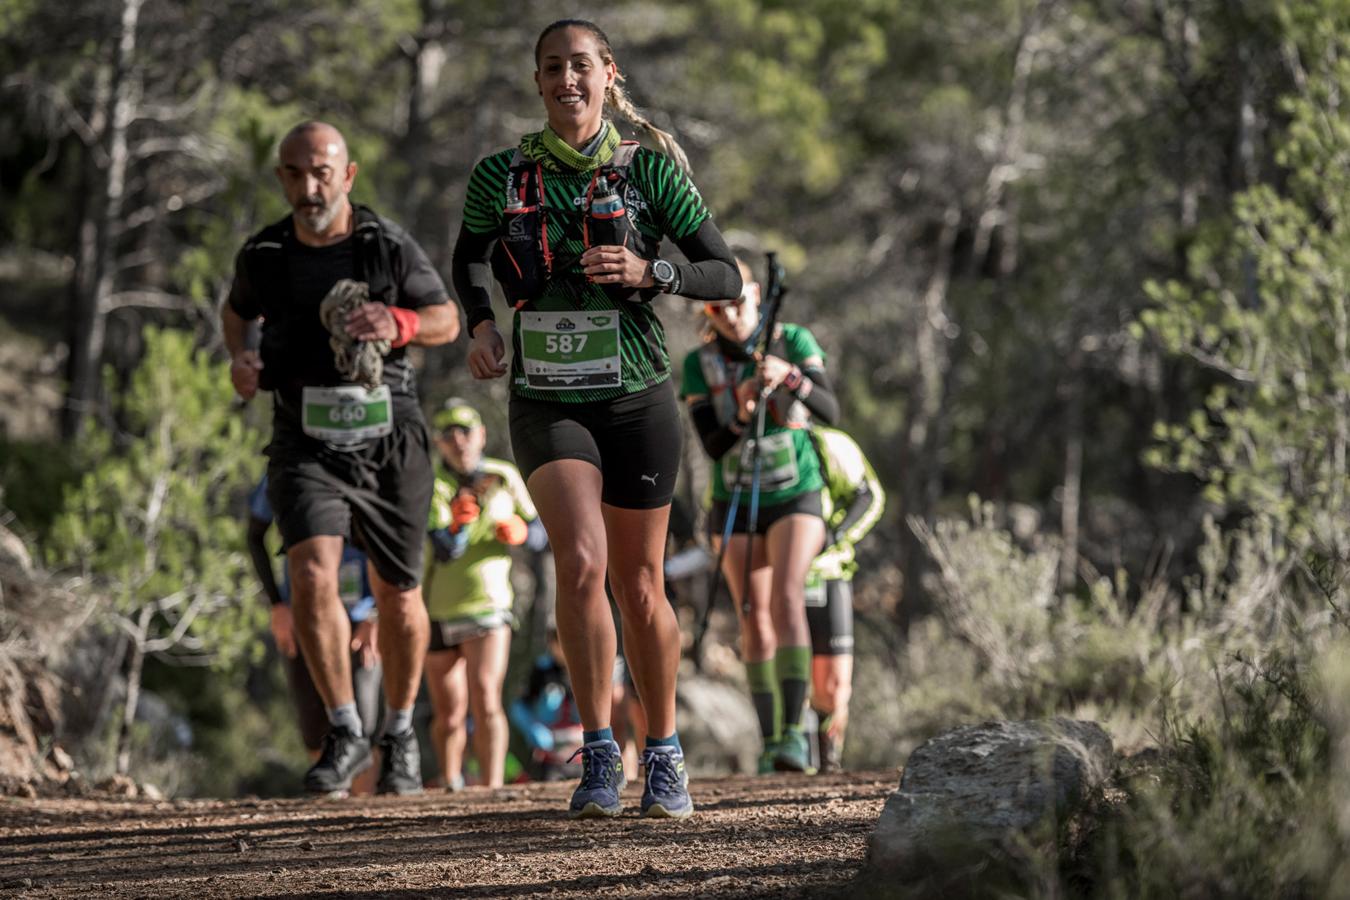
x: 564, y: 343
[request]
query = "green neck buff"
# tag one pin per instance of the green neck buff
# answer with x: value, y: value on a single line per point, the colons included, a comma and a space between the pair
x: 555, y: 155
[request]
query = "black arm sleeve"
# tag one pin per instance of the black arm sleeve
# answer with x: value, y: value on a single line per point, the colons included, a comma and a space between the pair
x: 471, y: 274
x: 711, y: 273
x: 717, y: 439
x: 262, y: 562
x: 822, y: 402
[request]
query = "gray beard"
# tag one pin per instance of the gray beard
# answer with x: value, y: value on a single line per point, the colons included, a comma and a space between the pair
x: 318, y: 221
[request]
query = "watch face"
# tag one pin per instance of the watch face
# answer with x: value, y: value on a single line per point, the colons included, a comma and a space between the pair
x: 663, y: 271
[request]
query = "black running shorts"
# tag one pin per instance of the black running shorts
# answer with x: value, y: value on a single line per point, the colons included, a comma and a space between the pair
x: 633, y: 440
x: 309, y: 705
x: 829, y: 615
x: 450, y: 635
x: 377, y: 497
x: 807, y: 504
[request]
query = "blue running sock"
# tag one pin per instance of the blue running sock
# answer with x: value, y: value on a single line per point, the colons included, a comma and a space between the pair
x: 672, y: 741
x: 345, y: 716
x: 590, y: 737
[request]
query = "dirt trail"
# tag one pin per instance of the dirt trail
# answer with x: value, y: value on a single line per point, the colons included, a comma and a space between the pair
x: 751, y: 837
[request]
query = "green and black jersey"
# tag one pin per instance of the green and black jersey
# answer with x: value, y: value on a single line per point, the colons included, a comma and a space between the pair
x: 665, y: 203
x: 789, y: 464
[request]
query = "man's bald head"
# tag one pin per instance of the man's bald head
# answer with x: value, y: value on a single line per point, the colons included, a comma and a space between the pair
x: 314, y: 137
x: 317, y: 175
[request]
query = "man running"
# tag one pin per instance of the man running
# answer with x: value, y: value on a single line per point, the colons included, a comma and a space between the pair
x: 342, y: 292
x: 853, y: 500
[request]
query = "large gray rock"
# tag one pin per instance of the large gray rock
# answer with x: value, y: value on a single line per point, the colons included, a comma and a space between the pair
x: 718, y: 728
x: 981, y: 806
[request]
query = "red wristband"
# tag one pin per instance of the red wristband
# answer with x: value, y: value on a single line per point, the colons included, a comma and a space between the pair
x: 408, y: 322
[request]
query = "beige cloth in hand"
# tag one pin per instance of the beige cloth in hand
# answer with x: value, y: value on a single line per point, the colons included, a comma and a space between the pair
x: 360, y: 362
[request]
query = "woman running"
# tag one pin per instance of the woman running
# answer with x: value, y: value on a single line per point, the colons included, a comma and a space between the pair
x: 722, y: 383
x: 570, y: 223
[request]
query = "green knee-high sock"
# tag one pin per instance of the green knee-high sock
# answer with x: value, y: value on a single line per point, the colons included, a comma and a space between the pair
x: 794, y: 674
x: 766, y: 698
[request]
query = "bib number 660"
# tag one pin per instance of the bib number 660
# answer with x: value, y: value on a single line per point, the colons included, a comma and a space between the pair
x: 346, y: 415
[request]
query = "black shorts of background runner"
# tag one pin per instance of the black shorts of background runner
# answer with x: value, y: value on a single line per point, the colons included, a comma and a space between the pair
x: 829, y: 616
x: 634, y: 440
x: 309, y: 705
x: 377, y: 497
x: 807, y: 504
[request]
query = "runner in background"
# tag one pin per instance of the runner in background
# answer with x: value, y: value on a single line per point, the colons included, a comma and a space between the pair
x: 546, y: 716
x: 354, y: 589
x: 342, y: 292
x: 479, y: 510
x: 852, y: 503
x: 722, y: 384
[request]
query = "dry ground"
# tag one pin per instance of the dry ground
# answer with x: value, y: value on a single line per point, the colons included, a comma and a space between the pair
x: 774, y: 836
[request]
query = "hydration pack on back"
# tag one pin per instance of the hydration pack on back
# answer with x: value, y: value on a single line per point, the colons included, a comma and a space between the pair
x: 523, y: 260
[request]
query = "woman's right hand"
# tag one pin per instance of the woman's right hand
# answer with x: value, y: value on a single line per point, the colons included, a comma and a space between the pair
x: 486, y: 352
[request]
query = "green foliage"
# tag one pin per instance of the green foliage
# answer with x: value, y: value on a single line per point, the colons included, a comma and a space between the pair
x: 150, y: 523
x: 1265, y: 308
x: 1244, y: 803
x: 32, y: 476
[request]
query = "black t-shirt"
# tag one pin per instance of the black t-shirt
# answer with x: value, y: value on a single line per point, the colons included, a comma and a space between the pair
x: 296, y: 352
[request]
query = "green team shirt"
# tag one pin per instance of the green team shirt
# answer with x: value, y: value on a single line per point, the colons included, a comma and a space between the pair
x: 669, y: 206
x: 790, y: 465
x: 478, y: 584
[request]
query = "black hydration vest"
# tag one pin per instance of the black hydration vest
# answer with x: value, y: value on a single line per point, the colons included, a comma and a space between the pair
x: 265, y: 258
x: 523, y: 261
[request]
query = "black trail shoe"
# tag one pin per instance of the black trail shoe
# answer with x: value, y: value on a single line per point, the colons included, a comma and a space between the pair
x: 400, y: 765
x: 345, y: 754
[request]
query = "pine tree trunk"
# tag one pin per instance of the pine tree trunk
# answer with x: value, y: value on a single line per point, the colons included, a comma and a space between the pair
x: 135, y: 665
x: 102, y: 229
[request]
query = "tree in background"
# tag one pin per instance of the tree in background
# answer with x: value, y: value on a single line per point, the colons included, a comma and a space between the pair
x: 151, y: 525
x: 1265, y: 310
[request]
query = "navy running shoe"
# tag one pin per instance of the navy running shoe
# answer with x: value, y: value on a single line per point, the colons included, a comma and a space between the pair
x: 601, y: 780
x: 666, y: 795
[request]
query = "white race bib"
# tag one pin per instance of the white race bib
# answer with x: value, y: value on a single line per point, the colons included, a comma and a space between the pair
x: 347, y: 415
x: 570, y: 350
x: 777, y: 467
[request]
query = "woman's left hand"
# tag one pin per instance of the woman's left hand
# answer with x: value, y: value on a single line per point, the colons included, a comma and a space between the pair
x: 616, y: 265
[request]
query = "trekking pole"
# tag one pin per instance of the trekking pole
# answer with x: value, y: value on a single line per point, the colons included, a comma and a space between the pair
x: 773, y: 302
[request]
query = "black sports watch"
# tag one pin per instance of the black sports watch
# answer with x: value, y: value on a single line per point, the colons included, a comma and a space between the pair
x: 665, y: 276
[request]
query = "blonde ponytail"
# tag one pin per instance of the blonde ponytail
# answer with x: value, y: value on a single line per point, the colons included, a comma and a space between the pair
x: 616, y: 98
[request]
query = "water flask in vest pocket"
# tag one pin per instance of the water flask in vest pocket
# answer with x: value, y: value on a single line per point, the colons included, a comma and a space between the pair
x: 607, y: 225
x: 518, y: 261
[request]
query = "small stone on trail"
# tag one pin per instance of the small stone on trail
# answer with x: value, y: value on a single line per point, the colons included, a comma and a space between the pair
x: 306, y: 845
